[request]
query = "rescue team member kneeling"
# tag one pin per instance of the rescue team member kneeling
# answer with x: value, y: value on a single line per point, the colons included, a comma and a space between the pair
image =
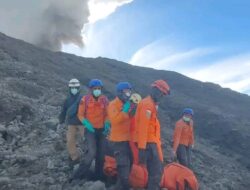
x: 74, y: 124
x: 92, y: 112
x: 118, y: 112
x: 147, y: 128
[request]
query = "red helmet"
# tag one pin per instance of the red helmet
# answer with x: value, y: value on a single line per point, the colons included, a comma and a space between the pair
x: 162, y: 86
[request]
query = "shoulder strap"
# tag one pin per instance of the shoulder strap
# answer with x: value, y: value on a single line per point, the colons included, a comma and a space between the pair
x: 86, y: 101
x: 104, y: 100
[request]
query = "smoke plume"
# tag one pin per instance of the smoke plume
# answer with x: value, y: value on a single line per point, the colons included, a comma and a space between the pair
x: 47, y: 23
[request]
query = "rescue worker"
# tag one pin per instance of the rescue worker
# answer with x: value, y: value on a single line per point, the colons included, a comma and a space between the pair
x: 183, y: 138
x: 147, y: 128
x: 118, y: 112
x: 74, y: 124
x: 92, y: 112
x: 179, y: 177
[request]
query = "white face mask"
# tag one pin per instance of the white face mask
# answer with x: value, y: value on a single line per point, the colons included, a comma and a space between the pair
x: 97, y: 92
x: 128, y: 94
x: 186, y: 119
x: 74, y: 91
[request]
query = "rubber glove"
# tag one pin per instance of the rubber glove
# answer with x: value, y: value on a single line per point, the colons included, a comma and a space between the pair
x: 88, y: 125
x: 126, y: 107
x: 142, y: 156
x: 106, y: 128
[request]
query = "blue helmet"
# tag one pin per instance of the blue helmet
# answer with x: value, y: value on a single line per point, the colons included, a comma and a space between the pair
x: 188, y: 111
x: 95, y: 83
x: 123, y: 85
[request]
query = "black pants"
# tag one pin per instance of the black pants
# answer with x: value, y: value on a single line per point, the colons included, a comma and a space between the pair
x: 184, y: 155
x: 123, y: 157
x: 154, y: 166
x: 94, y: 150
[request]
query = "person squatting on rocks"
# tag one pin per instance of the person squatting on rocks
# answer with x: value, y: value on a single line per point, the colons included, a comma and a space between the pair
x: 148, y: 138
x: 183, y: 138
x: 74, y: 124
x: 118, y: 112
x: 92, y: 113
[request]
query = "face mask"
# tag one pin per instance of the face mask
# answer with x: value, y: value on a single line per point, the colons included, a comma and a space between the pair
x: 128, y: 94
x: 74, y: 91
x: 157, y: 95
x: 97, y: 92
x: 186, y: 119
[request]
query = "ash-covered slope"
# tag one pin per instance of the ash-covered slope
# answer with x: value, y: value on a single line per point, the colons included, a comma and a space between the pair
x: 33, y: 85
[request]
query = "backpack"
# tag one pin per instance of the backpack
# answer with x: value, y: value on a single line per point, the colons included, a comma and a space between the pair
x: 110, y: 167
x: 138, y: 177
x: 172, y: 181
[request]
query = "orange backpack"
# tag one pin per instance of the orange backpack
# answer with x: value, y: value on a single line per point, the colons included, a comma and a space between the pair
x: 138, y: 177
x: 175, y: 175
x: 110, y: 168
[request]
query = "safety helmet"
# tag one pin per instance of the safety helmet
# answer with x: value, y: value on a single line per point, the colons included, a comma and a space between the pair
x: 135, y: 98
x: 95, y: 83
x: 122, y: 86
x: 74, y: 83
x: 188, y: 111
x: 162, y: 86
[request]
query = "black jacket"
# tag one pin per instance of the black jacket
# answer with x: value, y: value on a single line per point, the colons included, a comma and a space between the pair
x: 70, y: 100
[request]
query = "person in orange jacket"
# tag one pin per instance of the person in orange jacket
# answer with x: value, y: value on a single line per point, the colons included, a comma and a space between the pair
x: 147, y: 128
x: 183, y: 138
x: 118, y: 112
x: 179, y: 177
x: 92, y: 112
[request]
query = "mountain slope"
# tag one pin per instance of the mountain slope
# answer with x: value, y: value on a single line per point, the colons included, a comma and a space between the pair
x: 33, y: 85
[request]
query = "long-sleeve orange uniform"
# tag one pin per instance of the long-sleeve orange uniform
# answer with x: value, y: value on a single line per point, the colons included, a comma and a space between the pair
x: 93, y: 110
x: 120, y: 122
x: 147, y: 125
x: 183, y: 134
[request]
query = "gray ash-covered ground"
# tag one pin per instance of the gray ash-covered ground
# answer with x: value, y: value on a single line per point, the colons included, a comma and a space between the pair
x: 33, y: 84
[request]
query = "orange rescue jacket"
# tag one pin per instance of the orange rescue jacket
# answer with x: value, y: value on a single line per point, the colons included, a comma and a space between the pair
x: 183, y: 134
x: 147, y: 125
x: 120, y: 122
x: 93, y: 110
x: 175, y: 175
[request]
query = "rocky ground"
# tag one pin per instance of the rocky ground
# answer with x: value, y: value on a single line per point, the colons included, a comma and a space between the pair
x: 32, y: 147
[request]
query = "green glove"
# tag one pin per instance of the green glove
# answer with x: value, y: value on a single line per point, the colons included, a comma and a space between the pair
x: 88, y: 125
x: 106, y: 128
x: 126, y: 107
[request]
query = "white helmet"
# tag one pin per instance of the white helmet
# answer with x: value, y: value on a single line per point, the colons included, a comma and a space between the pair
x: 74, y: 83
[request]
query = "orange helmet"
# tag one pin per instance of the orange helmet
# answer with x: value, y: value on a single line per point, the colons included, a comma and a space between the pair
x: 162, y: 86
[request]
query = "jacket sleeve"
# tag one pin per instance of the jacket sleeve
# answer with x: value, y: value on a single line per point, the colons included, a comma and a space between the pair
x: 192, y: 136
x: 81, y: 109
x: 143, y: 119
x: 177, y: 136
x: 62, y: 115
x: 106, y: 118
x: 116, y: 116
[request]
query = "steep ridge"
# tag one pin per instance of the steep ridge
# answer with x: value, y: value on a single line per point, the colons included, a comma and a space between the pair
x: 33, y: 86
